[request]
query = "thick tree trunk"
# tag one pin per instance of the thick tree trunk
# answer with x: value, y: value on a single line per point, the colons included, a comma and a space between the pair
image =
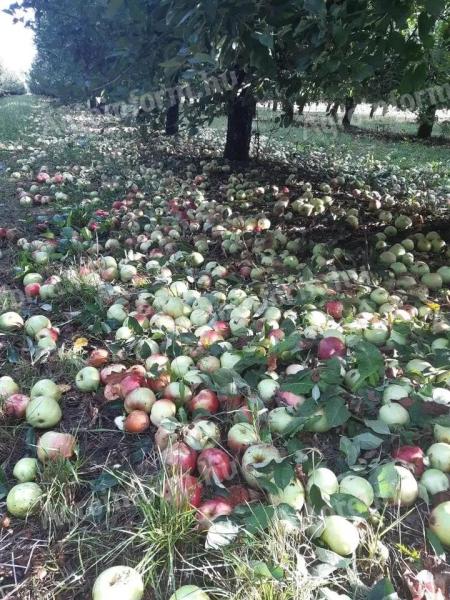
x: 328, y: 108
x: 275, y: 106
x: 172, y: 115
x: 288, y: 112
x: 301, y: 104
x: 350, y: 106
x: 426, y: 122
x: 241, y: 110
x: 333, y: 112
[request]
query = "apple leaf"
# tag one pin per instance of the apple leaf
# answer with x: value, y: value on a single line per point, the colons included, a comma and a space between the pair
x: 435, y: 543
x: 283, y: 474
x: 336, y: 411
x: 385, y: 480
x: 347, y: 505
x: 331, y: 558
x: 258, y: 518
x: 351, y: 449
x: 368, y: 441
x: 383, y: 590
x: 370, y: 364
x: 3, y: 484
x: 105, y: 481
x: 378, y: 426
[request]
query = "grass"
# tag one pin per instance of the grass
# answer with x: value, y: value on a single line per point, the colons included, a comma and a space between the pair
x: 15, y: 115
x: 322, y: 135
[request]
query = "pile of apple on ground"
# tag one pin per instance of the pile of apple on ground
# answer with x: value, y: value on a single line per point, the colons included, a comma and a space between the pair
x: 269, y: 371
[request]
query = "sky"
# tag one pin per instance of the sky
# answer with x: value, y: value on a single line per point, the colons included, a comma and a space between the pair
x: 16, y: 43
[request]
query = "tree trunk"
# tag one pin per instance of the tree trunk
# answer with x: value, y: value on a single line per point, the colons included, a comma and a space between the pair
x: 241, y: 110
x: 373, y: 109
x: 333, y: 112
x: 172, y: 115
x: 328, y: 108
x: 426, y: 122
x: 301, y: 104
x: 350, y: 106
x: 288, y: 112
x: 275, y: 106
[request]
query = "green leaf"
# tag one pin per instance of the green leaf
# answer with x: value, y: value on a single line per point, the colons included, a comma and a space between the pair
x: 425, y: 24
x: 370, y: 363
x: 347, y: 505
x: 435, y: 543
x: 336, y: 412
x: 262, y: 570
x: 134, y: 325
x: 316, y: 499
x: 316, y: 7
x: 385, y: 480
x: 3, y: 484
x: 351, y: 450
x: 105, y: 481
x: 266, y: 39
x: 435, y: 7
x: 331, y: 558
x: 378, y: 426
x: 288, y: 344
x: 259, y: 518
x: 283, y: 474
x: 368, y: 441
x: 383, y: 590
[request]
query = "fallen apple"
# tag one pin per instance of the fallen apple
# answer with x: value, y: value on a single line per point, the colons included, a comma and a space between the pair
x: 88, y: 379
x: 43, y: 412
x: 440, y: 522
x: 439, y: 456
x: 189, y: 592
x: 435, y: 481
x: 23, y: 499
x: 25, y: 469
x: 340, y: 535
x: 53, y: 445
x: 118, y: 583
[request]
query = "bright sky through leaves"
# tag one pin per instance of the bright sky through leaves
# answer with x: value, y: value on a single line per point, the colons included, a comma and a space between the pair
x: 16, y: 43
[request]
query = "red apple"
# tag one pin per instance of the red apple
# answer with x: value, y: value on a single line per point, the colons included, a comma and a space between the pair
x: 183, y: 491
x: 130, y: 383
x: 32, y: 290
x: 16, y: 405
x: 241, y: 436
x: 330, y: 347
x: 140, y: 398
x: 223, y: 328
x: 205, y: 400
x: 112, y: 392
x: 214, y: 463
x: 413, y: 455
x: 137, y: 421
x: 54, y: 445
x: 230, y: 402
x: 180, y: 456
x: 209, y: 338
x: 289, y: 399
x: 164, y: 437
x: 98, y: 357
x: 238, y: 494
x: 211, y: 509
x: 158, y: 384
x: 335, y: 309
x: 137, y: 371
x: 112, y: 373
